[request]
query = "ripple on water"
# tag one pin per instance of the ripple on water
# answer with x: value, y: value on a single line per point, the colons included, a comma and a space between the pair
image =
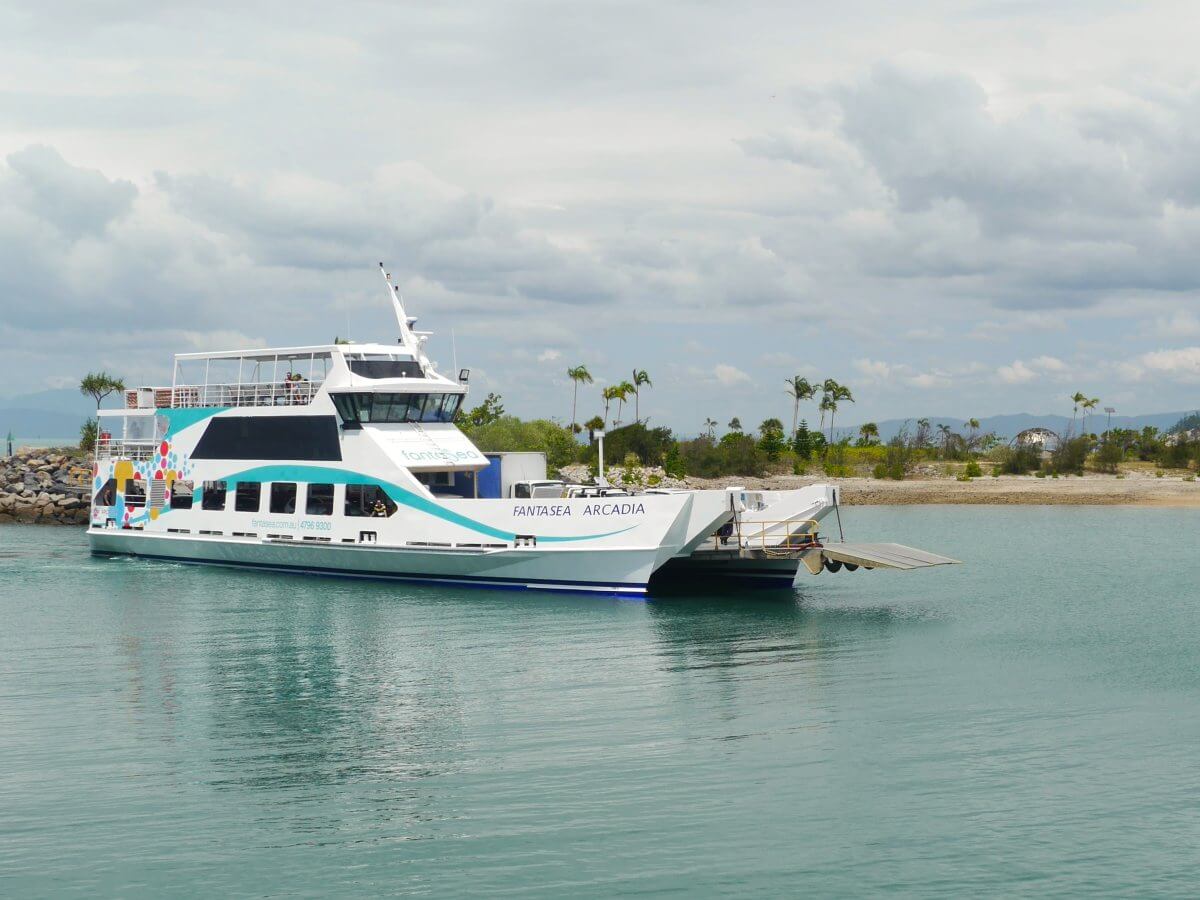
x: 1023, y: 723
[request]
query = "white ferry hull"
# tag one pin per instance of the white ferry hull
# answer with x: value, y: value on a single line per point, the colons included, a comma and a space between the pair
x: 589, y: 571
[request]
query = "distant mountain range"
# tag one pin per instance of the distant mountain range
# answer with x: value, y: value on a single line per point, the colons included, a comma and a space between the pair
x: 1009, y: 426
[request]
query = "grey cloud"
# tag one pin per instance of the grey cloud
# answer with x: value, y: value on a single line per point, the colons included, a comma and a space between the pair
x: 77, y: 201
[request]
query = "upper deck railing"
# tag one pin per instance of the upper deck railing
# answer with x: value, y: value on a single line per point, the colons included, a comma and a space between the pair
x: 187, y: 396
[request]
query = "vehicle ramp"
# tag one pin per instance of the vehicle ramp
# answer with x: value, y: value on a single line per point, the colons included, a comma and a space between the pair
x: 834, y: 555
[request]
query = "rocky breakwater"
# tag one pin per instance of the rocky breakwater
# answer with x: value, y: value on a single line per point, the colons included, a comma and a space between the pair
x: 44, y: 486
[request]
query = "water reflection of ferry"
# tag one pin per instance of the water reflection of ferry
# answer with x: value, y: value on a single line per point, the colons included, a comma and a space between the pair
x: 344, y: 459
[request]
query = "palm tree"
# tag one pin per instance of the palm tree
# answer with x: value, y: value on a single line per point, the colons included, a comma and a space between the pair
x: 640, y: 377
x: 869, y: 433
x: 946, y: 435
x: 922, y: 437
x: 609, y: 394
x: 1077, y: 398
x: 594, y: 424
x: 973, y: 424
x: 710, y: 425
x: 579, y: 375
x: 623, y: 390
x: 799, y: 389
x: 834, y: 393
x: 1088, y: 404
x: 735, y: 424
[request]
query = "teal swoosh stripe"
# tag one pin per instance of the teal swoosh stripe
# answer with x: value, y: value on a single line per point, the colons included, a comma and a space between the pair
x: 402, y: 496
x: 186, y: 417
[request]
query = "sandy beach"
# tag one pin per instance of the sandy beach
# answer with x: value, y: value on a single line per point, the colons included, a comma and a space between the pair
x: 1134, y: 489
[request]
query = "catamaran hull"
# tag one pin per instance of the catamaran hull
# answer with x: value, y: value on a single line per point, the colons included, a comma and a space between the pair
x: 622, y: 572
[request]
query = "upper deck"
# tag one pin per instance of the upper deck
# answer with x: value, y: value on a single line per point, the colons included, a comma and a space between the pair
x: 287, y: 376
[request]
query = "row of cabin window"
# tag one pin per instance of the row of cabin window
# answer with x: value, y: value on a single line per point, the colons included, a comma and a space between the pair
x: 360, y: 499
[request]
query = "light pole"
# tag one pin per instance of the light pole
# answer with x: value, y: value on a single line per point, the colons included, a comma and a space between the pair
x: 600, y: 467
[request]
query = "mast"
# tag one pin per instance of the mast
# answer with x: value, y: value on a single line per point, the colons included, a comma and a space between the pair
x: 407, y: 338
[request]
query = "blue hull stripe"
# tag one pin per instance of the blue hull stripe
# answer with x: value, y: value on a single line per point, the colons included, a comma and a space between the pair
x: 483, y: 581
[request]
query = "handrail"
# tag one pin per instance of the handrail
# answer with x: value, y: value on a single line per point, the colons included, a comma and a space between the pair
x: 190, y: 396
x: 793, y: 540
x: 118, y: 448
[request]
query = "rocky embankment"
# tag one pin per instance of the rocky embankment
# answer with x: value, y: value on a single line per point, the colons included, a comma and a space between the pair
x: 44, y: 486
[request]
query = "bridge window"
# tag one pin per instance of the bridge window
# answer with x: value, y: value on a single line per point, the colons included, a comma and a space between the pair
x: 181, y: 494
x: 320, y: 500
x: 248, y: 497
x: 368, y: 500
x: 365, y: 408
x: 212, y: 495
x: 283, y: 497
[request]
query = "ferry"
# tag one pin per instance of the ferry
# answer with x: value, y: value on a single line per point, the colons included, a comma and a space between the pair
x: 344, y: 459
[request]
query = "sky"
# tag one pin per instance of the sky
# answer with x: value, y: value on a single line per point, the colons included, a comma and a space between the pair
x: 955, y: 208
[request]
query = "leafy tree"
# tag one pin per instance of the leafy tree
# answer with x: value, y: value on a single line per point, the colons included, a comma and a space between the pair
x: 96, y: 385
x: 673, y: 464
x: 802, y: 444
x: 510, y: 433
x: 99, y: 385
x: 578, y: 375
x: 771, y: 441
x: 921, y: 439
x: 489, y: 411
x: 640, y: 378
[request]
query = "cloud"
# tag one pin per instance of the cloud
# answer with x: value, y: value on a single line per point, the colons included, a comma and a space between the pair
x: 548, y: 355
x: 730, y: 376
x: 1182, y: 363
x: 1016, y: 373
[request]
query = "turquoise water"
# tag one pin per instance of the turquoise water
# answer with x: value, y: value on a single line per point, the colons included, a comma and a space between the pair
x: 1028, y: 723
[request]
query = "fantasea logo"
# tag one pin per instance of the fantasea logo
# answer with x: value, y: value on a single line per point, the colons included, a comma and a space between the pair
x: 439, y: 455
x: 590, y: 510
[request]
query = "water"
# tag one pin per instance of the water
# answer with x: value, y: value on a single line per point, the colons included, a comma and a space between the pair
x: 1026, y: 723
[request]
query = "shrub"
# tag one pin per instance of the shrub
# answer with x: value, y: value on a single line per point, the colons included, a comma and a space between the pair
x: 972, y: 470
x: 1018, y: 460
x: 1109, y: 454
x: 1069, y: 456
x: 87, y: 435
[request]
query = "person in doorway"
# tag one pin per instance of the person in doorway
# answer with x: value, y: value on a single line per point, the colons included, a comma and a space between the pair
x: 379, y: 511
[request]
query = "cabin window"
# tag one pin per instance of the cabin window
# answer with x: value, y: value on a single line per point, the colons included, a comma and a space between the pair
x: 521, y: 491
x: 212, y: 495
x: 357, y: 408
x: 135, y: 492
x: 368, y: 500
x: 181, y: 494
x: 248, y: 497
x: 107, y: 495
x: 283, y: 497
x: 320, y: 500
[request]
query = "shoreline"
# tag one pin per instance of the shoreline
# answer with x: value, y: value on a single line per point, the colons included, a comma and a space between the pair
x: 1006, y: 490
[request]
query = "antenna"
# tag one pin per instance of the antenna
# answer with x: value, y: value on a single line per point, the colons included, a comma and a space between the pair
x: 453, y: 350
